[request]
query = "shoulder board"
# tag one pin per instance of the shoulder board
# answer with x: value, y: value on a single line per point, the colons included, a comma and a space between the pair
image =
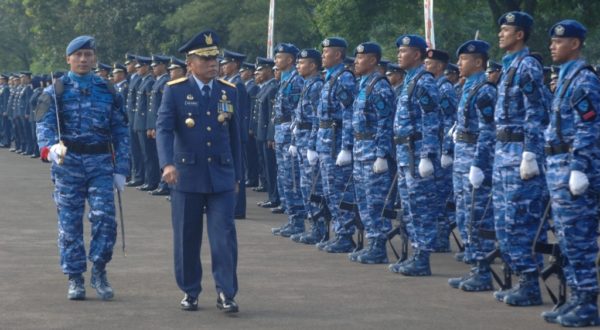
x: 225, y: 82
x: 177, y: 81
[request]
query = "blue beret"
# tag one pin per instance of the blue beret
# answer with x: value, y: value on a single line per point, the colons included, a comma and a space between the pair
x: 36, y: 81
x: 568, y: 29
x: 205, y: 44
x: 493, y: 66
x: 411, y: 40
x: 81, y: 42
x: 438, y: 55
x: 57, y: 74
x: 349, y: 60
x: 517, y: 18
x: 383, y: 63
x: 263, y: 62
x: 451, y: 68
x: 287, y: 48
x: 229, y: 56
x: 393, y: 67
x: 102, y: 66
x: 312, y: 54
x: 159, y: 59
x: 473, y: 47
x: 142, y: 60
x: 334, y: 42
x: 247, y: 66
x: 368, y: 48
x: 118, y: 67
x: 176, y: 63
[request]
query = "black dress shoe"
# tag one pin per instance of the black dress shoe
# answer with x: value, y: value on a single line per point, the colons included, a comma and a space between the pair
x: 147, y: 187
x: 227, y: 305
x: 134, y: 183
x: 35, y: 156
x: 277, y: 210
x: 259, y: 189
x: 189, y: 303
x: 251, y: 184
x: 160, y: 192
x: 240, y: 216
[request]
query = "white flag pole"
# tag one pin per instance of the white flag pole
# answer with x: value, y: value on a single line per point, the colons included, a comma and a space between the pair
x: 271, y: 29
x: 429, y: 26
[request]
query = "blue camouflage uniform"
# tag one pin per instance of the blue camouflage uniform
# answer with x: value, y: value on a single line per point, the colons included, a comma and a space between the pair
x: 416, y: 135
x: 91, y: 119
x: 572, y: 145
x: 335, y: 108
x: 288, y: 168
x: 372, y: 121
x: 305, y: 118
x: 519, y: 204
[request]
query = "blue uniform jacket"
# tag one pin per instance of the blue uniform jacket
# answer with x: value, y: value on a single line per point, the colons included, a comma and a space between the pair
x: 155, y: 99
x: 207, y: 156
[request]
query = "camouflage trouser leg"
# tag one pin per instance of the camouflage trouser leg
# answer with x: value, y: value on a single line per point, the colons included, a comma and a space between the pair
x: 482, y: 217
x: 288, y: 169
x: 309, y: 175
x: 371, y: 191
x: 102, y: 217
x: 576, y: 226
x: 461, y: 192
x: 335, y: 179
x: 518, y: 209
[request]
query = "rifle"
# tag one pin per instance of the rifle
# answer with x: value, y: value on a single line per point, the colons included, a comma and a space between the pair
x: 61, y: 158
x: 398, y: 230
x: 323, y: 208
x: 352, y: 207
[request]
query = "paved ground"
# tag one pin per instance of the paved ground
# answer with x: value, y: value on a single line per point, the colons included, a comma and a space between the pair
x: 283, y: 285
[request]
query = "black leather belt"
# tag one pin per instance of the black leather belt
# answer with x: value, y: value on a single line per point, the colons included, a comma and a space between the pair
x: 304, y: 126
x: 91, y: 149
x: 466, y: 137
x: 329, y: 123
x: 557, y: 149
x: 408, y: 138
x: 363, y: 136
x: 282, y: 120
x: 505, y: 135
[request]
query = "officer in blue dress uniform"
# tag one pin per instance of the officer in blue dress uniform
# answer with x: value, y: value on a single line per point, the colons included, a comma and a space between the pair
x: 137, y: 160
x: 519, y: 185
x: 199, y: 152
x: 265, y: 99
x: 177, y: 68
x: 231, y: 64
x: 119, y: 73
x: 103, y: 70
x: 395, y: 76
x: 572, y: 162
x: 159, y: 70
x: 89, y: 155
x: 436, y: 63
x: 253, y: 170
x: 142, y: 105
x: 4, y: 122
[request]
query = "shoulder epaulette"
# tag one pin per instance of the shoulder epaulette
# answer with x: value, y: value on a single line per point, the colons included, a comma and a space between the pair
x: 225, y: 82
x: 177, y: 81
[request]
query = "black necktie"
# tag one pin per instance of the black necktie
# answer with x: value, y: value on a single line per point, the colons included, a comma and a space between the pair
x: 206, y: 93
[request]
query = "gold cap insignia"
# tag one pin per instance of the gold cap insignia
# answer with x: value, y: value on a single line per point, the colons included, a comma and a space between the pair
x: 190, y: 97
x: 360, y: 49
x: 326, y: 43
x: 208, y: 39
x: 510, y: 18
x: 471, y: 48
x: 559, y: 30
x: 406, y: 40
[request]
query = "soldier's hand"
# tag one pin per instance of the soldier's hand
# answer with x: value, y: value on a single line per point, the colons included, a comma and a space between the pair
x: 170, y: 174
x: 312, y: 157
x: 425, y: 167
x: 380, y: 165
x: 529, y: 166
x: 446, y: 161
x: 476, y: 176
x: 578, y: 183
x: 271, y: 144
x: 344, y: 158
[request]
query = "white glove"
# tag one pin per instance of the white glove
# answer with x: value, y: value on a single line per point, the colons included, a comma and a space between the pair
x: 343, y: 158
x: 476, y: 176
x: 119, y: 182
x: 293, y: 150
x: 452, y: 130
x: 380, y: 165
x: 447, y: 161
x: 529, y: 166
x: 57, y: 153
x: 295, y: 130
x: 425, y: 167
x: 578, y: 183
x: 312, y: 157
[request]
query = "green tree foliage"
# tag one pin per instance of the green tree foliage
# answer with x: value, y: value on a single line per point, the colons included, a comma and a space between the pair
x: 34, y: 33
